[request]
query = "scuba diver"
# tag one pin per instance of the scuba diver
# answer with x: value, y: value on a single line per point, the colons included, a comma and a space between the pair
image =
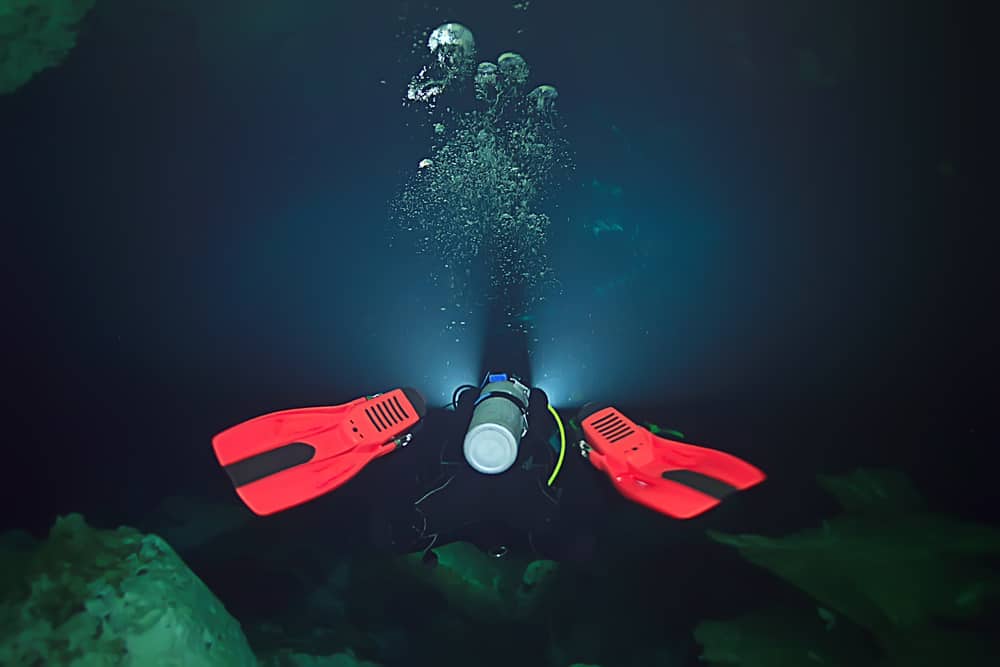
x: 492, y: 468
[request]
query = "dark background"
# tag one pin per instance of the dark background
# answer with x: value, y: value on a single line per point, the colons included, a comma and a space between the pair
x: 195, y: 232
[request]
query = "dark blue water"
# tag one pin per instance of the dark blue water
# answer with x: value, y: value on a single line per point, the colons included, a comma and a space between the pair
x: 196, y: 232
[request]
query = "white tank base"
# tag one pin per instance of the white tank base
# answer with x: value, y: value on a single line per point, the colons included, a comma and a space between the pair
x: 490, y: 448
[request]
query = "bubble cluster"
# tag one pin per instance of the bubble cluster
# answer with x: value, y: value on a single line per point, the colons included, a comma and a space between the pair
x: 476, y: 202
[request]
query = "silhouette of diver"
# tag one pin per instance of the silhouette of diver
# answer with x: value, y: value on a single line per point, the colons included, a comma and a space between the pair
x: 483, y: 469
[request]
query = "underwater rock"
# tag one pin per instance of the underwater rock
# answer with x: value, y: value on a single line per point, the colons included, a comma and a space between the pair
x: 483, y: 586
x: 870, y: 490
x: 36, y: 35
x: 294, y: 659
x: 890, y: 566
x: 781, y: 637
x: 881, y: 566
x: 115, y: 597
x: 189, y: 522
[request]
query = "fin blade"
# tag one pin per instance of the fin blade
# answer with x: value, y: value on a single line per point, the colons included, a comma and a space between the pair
x: 286, y: 458
x: 302, y: 483
x: 276, y: 429
x: 705, y: 464
x: 673, y: 478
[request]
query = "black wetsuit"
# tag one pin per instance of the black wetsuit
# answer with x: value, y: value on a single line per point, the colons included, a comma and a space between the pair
x: 439, y: 498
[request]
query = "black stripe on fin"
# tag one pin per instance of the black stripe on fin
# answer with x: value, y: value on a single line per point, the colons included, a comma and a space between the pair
x: 269, y: 463
x: 699, y: 482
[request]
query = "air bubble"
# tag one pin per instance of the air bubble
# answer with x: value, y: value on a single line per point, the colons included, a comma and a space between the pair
x: 479, y: 200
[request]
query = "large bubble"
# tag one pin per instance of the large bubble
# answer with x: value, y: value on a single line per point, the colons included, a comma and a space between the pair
x: 452, y: 44
x: 486, y: 81
x: 454, y: 49
x: 480, y: 206
x: 513, y: 67
x: 543, y: 99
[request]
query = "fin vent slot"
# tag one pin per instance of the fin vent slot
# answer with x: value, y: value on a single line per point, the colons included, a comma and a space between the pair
x: 613, y: 428
x: 400, y: 410
x: 371, y: 418
x: 382, y: 413
x: 386, y: 414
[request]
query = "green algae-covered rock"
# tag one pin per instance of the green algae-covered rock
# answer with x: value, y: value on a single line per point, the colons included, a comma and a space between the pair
x: 111, y: 597
x: 783, y: 638
x: 36, y: 35
x: 919, y: 582
x: 886, y: 563
x: 482, y: 586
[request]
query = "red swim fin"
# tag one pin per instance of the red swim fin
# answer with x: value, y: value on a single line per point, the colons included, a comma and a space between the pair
x: 670, y: 477
x: 286, y: 458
